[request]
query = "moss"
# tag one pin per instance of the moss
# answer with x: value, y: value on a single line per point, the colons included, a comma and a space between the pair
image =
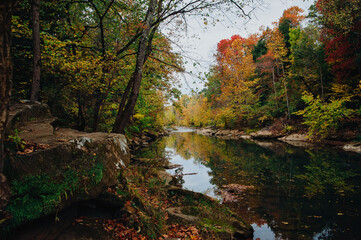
x: 217, y: 226
x: 37, y: 196
x: 191, y: 210
x: 96, y: 173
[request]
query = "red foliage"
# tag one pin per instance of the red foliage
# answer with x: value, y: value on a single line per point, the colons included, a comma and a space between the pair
x: 342, y: 38
x: 266, y: 62
x: 224, y: 44
x: 341, y: 55
x: 178, y: 231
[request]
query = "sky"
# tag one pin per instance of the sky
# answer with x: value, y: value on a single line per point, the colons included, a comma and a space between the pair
x: 198, y: 44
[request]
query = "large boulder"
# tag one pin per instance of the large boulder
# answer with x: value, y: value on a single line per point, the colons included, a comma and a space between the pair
x: 58, y: 166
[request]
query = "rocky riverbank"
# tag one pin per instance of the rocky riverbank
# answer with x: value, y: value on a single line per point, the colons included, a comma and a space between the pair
x: 88, y: 183
x: 295, y: 139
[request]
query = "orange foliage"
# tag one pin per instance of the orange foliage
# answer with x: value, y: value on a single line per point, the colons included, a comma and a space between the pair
x: 238, y: 68
x: 293, y: 14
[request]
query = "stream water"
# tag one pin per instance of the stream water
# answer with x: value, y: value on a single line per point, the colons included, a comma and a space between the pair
x: 285, y: 192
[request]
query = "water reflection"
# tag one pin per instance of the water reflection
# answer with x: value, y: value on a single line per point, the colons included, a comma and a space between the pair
x: 296, y: 193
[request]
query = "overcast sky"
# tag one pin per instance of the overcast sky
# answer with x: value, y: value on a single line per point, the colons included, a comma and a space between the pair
x: 200, y: 44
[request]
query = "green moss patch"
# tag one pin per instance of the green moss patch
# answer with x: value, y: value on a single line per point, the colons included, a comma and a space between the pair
x: 40, y: 195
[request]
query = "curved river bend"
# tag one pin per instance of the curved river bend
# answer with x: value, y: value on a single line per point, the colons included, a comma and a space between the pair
x: 285, y: 192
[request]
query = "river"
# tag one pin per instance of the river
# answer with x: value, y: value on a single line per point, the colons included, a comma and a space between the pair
x: 285, y: 192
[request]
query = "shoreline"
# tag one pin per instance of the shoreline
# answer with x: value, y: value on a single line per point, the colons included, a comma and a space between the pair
x: 294, y: 139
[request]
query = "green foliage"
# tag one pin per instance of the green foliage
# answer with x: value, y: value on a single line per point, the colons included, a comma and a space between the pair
x: 322, y: 118
x: 84, y: 73
x: 259, y: 49
x: 96, y: 173
x: 309, y: 67
x: 36, y: 196
x: 14, y: 142
x: 288, y: 128
x: 133, y: 129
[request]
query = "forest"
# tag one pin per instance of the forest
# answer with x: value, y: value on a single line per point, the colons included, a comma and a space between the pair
x: 102, y: 65
x: 301, y: 69
x: 95, y: 68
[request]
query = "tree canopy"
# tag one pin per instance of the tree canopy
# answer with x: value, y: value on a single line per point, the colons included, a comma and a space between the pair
x: 290, y: 69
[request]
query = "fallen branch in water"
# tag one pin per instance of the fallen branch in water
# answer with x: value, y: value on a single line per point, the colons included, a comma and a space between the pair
x: 184, y: 174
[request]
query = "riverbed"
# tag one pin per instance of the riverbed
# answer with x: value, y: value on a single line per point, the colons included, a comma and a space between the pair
x: 285, y: 192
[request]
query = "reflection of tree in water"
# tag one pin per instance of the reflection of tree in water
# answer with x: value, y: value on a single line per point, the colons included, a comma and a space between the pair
x: 154, y: 150
x: 325, y: 172
x: 297, y: 193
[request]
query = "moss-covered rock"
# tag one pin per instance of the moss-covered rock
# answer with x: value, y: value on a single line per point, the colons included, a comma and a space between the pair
x: 72, y: 166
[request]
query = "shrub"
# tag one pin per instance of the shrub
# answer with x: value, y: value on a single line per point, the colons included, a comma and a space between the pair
x: 321, y: 117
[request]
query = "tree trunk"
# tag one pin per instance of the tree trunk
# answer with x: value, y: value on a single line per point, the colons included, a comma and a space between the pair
x: 97, y: 106
x: 98, y: 92
x: 286, y: 92
x: 35, y: 85
x: 100, y: 97
x: 125, y: 113
x: 274, y: 86
x: 321, y: 80
x: 5, y: 70
x: 81, y: 119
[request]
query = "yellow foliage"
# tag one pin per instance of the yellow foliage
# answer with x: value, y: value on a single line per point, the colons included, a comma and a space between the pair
x: 138, y: 116
x: 276, y: 45
x: 238, y: 80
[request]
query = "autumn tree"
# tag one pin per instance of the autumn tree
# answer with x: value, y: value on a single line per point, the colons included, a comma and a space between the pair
x: 278, y: 50
x: 278, y: 45
x: 341, y: 21
x: 158, y: 12
x: 238, y: 70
